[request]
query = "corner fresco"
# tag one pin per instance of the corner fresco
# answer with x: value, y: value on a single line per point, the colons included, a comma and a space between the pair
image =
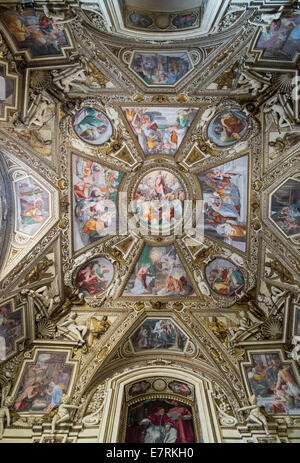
x: 33, y: 206
x: 160, y: 130
x: 34, y: 31
x: 43, y: 383
x: 158, y: 334
x: 11, y: 329
x: 225, y: 196
x: 161, y: 69
x: 274, y: 384
x: 95, y: 188
x: 282, y: 39
x: 159, y: 272
x: 285, y: 207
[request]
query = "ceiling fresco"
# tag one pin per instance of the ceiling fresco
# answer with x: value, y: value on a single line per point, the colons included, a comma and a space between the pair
x: 149, y: 222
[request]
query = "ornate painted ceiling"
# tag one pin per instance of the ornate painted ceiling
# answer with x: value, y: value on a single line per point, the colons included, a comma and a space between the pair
x: 149, y: 220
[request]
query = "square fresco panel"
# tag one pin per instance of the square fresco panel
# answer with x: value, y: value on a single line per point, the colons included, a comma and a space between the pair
x: 161, y: 68
x: 43, y: 383
x: 34, y: 31
x: 225, y: 196
x: 95, y: 188
x: 160, y: 130
x: 158, y: 334
x: 33, y: 208
x: 11, y: 329
x: 154, y: 421
x: 274, y: 384
x: 159, y: 272
x: 282, y: 39
x: 285, y: 207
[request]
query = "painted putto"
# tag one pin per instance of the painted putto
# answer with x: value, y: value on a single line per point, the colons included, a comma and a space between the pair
x: 225, y: 196
x: 159, y: 272
x: 160, y: 130
x: 285, y: 207
x: 158, y: 334
x: 228, y: 127
x: 95, y: 189
x: 161, y: 68
x: 33, y: 206
x: 95, y: 276
x: 34, y: 31
x: 43, y: 383
x: 274, y: 384
x: 92, y: 126
x: 225, y: 278
x: 160, y: 200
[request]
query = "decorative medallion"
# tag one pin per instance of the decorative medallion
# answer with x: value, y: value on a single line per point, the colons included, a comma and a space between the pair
x: 92, y: 126
x: 159, y: 385
x: 228, y: 127
x: 95, y: 276
x: 225, y: 278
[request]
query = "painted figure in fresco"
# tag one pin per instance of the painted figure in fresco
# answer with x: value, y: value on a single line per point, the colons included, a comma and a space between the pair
x: 43, y: 385
x: 162, y: 272
x: 225, y: 202
x: 95, y: 195
x: 155, y: 426
x: 10, y: 330
x: 274, y: 384
x: 36, y: 32
x: 33, y: 202
x: 141, y: 21
x: 184, y: 21
x: 180, y: 388
x: 160, y: 334
x: 285, y: 207
x: 139, y: 388
x: 159, y: 199
x: 91, y: 279
x: 228, y: 127
x: 181, y: 418
x: 170, y: 434
x: 225, y: 279
x: 92, y: 125
x: 160, y: 69
x: 160, y: 130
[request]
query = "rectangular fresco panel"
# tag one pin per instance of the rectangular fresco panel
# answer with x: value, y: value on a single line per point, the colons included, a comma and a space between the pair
x: 159, y: 272
x: 43, y: 383
x: 274, y: 384
x: 161, y: 68
x: 158, y: 334
x: 225, y: 196
x: 34, y: 31
x: 160, y: 130
x: 7, y: 90
x: 95, y: 188
x: 282, y: 39
x: 33, y: 207
x: 11, y: 329
x: 285, y: 207
x: 154, y: 421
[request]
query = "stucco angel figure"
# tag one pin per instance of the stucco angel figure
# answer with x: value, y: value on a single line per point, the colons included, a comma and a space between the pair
x: 250, y: 84
x: 71, y: 325
x: 46, y: 298
x: 40, y: 112
x: 244, y: 324
x: 255, y: 415
x: 275, y: 113
x: 63, y: 413
x: 6, y: 402
x: 295, y: 354
x: 267, y: 19
x: 58, y: 17
x: 66, y: 79
x: 207, y: 115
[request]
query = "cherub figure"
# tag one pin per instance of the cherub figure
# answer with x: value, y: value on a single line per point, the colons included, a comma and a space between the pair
x: 63, y: 414
x: 255, y: 415
x: 74, y: 327
x: 4, y: 414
